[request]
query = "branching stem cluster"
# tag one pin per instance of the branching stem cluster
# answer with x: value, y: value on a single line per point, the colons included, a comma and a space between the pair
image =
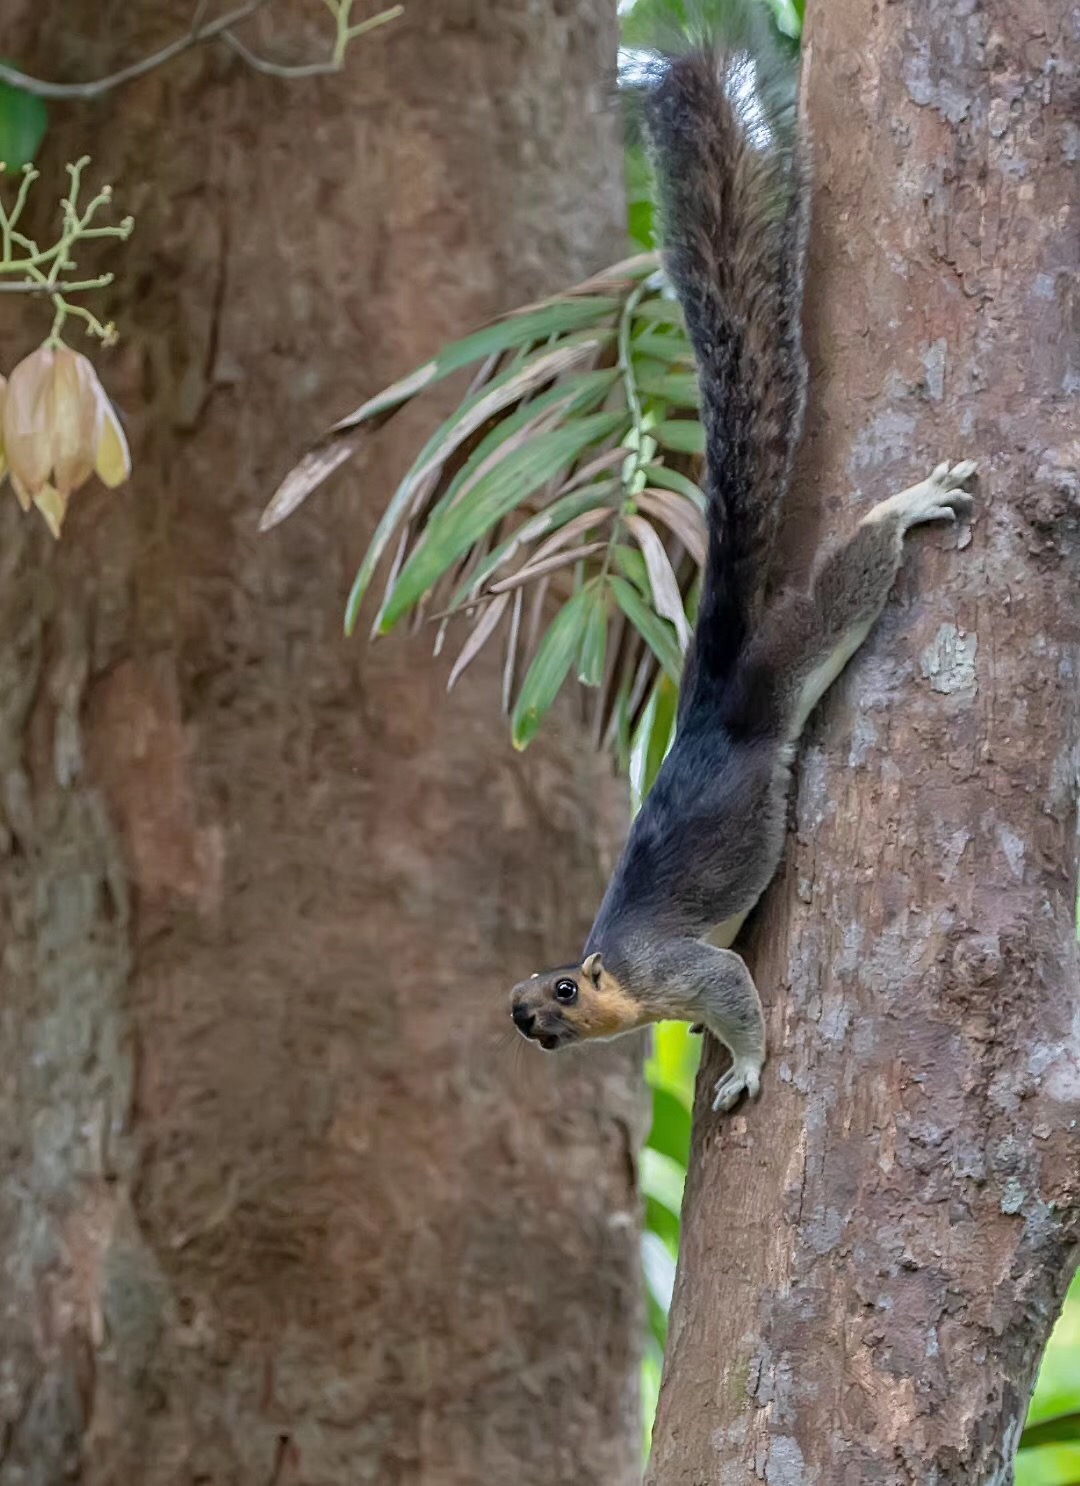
x: 37, y: 270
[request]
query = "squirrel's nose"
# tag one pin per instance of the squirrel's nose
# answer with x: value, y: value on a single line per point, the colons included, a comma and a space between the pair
x: 524, y: 1020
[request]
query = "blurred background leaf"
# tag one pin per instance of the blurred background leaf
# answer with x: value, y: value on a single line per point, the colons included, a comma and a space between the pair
x: 23, y: 121
x: 1050, y: 1445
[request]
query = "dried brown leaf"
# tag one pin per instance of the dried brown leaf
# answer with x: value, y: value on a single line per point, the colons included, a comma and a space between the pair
x: 486, y: 626
x: 396, y: 394
x: 510, y: 663
x: 572, y: 530
x: 619, y: 277
x: 534, y: 374
x: 317, y: 465
x: 610, y: 459
x: 662, y: 579
x: 546, y: 565
x: 536, y: 618
x: 681, y: 518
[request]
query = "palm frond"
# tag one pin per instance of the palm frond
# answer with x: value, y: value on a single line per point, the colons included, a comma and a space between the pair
x: 557, y: 508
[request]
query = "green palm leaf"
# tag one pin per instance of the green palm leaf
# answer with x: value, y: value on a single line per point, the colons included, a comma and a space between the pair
x: 550, y: 668
x: 594, y: 639
x: 574, y: 395
x: 658, y: 635
x: 685, y: 435
x: 523, y: 329
x: 453, y: 531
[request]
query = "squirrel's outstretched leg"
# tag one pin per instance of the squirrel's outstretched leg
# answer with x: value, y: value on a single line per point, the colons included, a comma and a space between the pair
x: 713, y: 988
x: 807, y: 639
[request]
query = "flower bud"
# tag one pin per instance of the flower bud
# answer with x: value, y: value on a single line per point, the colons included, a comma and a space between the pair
x: 57, y: 427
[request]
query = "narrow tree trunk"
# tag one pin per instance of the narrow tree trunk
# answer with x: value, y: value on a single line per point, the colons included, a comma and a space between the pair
x: 874, y: 1254
x: 272, y: 1208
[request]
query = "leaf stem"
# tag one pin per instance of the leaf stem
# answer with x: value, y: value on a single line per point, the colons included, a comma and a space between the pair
x: 631, y: 466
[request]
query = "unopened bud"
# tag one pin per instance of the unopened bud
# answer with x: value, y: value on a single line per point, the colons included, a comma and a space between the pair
x: 57, y: 427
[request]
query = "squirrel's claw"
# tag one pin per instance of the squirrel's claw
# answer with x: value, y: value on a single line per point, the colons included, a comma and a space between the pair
x: 742, y: 1077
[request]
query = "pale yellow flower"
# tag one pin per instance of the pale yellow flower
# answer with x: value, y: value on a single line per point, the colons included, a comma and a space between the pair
x: 57, y: 428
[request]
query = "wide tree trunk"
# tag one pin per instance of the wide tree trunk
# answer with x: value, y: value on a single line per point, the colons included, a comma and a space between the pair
x: 272, y: 1207
x: 874, y: 1254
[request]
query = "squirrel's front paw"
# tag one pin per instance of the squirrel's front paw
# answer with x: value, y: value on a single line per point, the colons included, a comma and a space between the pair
x: 743, y: 1077
x: 941, y: 496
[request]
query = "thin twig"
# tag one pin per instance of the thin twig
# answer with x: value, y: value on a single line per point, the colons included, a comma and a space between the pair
x: 221, y: 30
x: 196, y: 36
x: 308, y: 69
x: 25, y: 286
x: 276, y: 69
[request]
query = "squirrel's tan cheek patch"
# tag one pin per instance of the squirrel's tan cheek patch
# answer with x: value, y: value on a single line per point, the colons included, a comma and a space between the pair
x: 607, y: 1010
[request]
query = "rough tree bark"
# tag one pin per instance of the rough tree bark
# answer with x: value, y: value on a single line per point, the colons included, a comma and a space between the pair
x: 874, y: 1254
x: 271, y: 1207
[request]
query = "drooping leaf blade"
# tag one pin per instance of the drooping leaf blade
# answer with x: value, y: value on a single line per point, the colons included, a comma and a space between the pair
x: 620, y: 275
x: 669, y: 479
x: 552, y: 518
x: 660, y: 310
x: 549, y: 669
x: 579, y: 527
x: 656, y: 633
x: 662, y: 580
x: 631, y: 563
x: 594, y: 640
x: 680, y: 388
x: 485, y: 627
x: 509, y: 387
x: 684, y: 435
x: 556, y: 317
x: 317, y: 465
x: 662, y: 731
x: 670, y: 347
x: 681, y: 518
x: 544, y: 566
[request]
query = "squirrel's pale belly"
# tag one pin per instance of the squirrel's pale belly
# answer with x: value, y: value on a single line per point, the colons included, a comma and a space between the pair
x: 723, y: 936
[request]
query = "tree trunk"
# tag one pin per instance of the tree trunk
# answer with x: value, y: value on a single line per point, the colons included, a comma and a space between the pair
x: 874, y: 1254
x: 272, y: 1208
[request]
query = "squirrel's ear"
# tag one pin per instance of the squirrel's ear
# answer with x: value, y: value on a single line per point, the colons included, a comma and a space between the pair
x: 592, y: 967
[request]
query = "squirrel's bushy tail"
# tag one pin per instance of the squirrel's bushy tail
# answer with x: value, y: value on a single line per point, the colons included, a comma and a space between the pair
x: 722, y: 120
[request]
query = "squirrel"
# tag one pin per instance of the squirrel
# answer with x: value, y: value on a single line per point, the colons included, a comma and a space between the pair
x: 722, y: 124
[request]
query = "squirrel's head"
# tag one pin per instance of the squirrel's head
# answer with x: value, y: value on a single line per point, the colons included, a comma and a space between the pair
x: 578, y: 1001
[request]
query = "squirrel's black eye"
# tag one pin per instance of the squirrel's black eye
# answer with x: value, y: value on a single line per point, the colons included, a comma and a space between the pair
x: 565, y: 991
